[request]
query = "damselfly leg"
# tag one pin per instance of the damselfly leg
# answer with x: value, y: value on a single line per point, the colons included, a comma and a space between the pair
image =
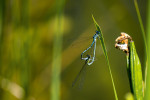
x: 92, y: 57
x: 89, y: 59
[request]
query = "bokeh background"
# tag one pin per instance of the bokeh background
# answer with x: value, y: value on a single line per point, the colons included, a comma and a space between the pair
x: 27, y: 41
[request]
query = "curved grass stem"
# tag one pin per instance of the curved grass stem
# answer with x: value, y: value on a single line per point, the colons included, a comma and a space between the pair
x: 105, y: 54
x: 144, y: 37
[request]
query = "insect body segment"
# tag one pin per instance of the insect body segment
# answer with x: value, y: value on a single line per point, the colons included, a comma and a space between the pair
x: 92, y: 58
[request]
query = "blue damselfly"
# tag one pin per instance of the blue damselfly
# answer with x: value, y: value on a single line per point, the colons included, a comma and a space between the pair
x: 89, y: 59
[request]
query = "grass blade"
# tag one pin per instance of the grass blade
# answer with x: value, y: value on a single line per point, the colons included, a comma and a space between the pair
x: 141, y: 23
x: 56, y: 63
x: 133, y: 65
x: 57, y: 51
x: 147, y: 91
x: 129, y: 72
x: 136, y: 73
x: 144, y: 37
x: 105, y: 53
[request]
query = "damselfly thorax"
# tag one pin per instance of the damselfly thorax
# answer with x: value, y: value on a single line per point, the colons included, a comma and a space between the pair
x: 93, y: 45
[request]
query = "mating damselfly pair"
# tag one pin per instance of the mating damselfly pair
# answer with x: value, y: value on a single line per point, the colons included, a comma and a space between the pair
x: 89, y: 58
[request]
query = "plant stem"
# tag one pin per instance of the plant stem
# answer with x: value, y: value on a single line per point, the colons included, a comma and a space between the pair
x: 57, y: 49
x: 147, y: 91
x: 141, y: 23
x: 105, y: 54
x: 144, y: 37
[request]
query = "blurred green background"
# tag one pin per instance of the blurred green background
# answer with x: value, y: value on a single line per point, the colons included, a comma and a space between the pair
x: 27, y: 36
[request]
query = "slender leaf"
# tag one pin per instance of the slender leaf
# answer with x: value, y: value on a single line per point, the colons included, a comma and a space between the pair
x: 136, y: 73
x: 133, y: 65
x: 57, y: 50
x: 129, y: 72
x: 105, y: 53
x: 140, y: 21
x: 144, y: 37
x: 147, y: 91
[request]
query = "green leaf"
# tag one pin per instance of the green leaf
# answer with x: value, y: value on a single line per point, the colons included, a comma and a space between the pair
x: 135, y: 73
x: 147, y: 71
x: 129, y: 72
x: 97, y: 26
x: 144, y: 37
x: 105, y: 53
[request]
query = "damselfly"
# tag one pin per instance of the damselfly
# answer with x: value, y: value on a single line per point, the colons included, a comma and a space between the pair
x: 89, y: 59
x: 92, y: 58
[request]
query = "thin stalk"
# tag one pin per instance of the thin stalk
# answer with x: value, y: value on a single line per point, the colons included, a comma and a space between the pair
x: 141, y: 23
x: 144, y: 37
x: 57, y: 49
x: 147, y: 92
x: 56, y: 63
x: 105, y: 54
x: 129, y: 72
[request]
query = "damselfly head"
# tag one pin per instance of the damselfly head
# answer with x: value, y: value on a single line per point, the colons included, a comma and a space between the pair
x: 97, y: 32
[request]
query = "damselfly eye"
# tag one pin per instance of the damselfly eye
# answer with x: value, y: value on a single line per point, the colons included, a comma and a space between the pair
x: 98, y: 32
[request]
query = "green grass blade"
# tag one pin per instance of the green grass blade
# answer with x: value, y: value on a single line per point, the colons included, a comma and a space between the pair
x: 136, y: 73
x: 105, y: 53
x: 57, y: 51
x: 56, y: 63
x: 133, y: 65
x: 144, y: 37
x: 129, y: 72
x: 141, y: 23
x: 147, y: 91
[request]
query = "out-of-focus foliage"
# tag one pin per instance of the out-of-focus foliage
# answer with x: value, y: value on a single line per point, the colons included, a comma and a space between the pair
x: 26, y: 38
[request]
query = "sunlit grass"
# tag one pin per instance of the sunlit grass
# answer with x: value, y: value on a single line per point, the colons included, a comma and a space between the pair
x: 57, y: 52
x: 147, y: 44
x: 101, y: 38
x: 147, y: 91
